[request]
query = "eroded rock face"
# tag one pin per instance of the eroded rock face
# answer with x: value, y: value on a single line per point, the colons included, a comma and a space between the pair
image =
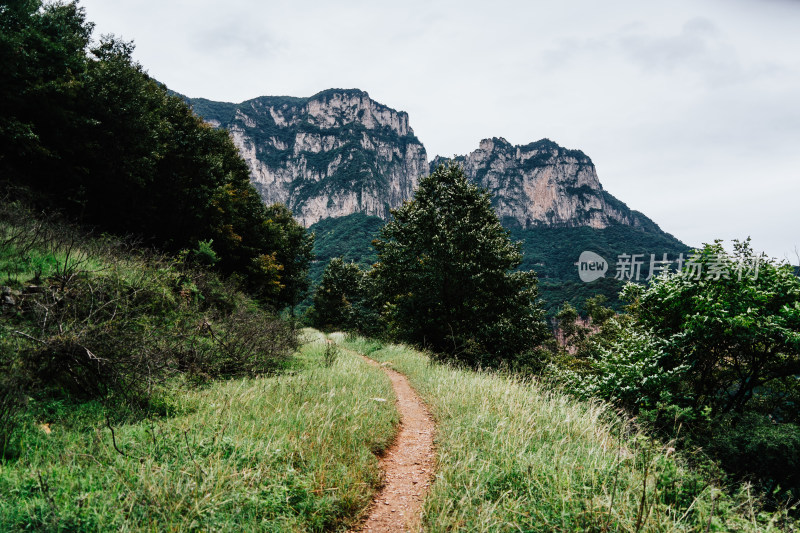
x: 334, y: 154
x: 339, y: 152
x: 542, y: 184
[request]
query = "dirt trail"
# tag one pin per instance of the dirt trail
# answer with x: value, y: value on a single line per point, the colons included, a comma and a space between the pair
x: 408, y: 464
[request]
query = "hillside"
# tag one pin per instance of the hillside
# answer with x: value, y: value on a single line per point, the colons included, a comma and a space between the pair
x: 341, y: 161
x: 550, y: 251
x: 114, y: 395
x: 518, y: 455
x: 349, y: 237
x: 141, y: 392
x: 153, y: 375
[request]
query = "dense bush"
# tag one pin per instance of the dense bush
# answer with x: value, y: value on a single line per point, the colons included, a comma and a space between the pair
x: 754, y: 443
x: 94, y: 318
x: 739, y: 334
x: 709, y: 355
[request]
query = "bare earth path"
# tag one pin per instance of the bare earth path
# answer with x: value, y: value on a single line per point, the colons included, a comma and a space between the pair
x: 408, y: 464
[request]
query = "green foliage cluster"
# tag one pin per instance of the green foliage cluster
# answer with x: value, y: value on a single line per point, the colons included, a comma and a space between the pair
x: 445, y: 269
x: 347, y: 237
x: 552, y: 252
x: 98, y: 319
x: 444, y: 279
x: 711, y: 359
x: 84, y: 124
x: 224, y: 112
x: 337, y: 295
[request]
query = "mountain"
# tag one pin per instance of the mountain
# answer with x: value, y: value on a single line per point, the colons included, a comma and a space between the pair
x: 334, y: 154
x: 543, y: 184
x: 341, y: 161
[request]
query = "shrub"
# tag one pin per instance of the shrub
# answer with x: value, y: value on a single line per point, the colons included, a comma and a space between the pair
x: 107, y: 321
x: 755, y: 443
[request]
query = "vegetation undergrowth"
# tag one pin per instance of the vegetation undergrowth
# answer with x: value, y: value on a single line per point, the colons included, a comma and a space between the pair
x: 517, y: 455
x: 139, y: 391
x: 86, y: 318
x: 293, y: 452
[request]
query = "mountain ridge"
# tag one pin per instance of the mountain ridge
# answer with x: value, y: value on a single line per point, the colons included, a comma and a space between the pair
x: 544, y: 184
x: 339, y: 152
x: 332, y: 154
x: 341, y: 162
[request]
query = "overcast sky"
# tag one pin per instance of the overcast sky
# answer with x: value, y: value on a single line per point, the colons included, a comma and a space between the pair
x: 690, y: 110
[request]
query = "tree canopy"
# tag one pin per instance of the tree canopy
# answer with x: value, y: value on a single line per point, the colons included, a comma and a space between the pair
x: 445, y: 275
x: 84, y: 124
x: 734, y: 320
x: 711, y: 355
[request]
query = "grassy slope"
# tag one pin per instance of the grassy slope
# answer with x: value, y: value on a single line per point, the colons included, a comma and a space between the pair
x: 516, y: 456
x: 288, y: 453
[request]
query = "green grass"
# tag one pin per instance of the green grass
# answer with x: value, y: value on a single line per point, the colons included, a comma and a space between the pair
x: 287, y: 453
x: 520, y: 456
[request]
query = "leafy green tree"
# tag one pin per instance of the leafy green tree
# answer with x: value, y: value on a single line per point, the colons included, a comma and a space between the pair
x: 42, y: 60
x: 628, y: 365
x: 720, y: 353
x: 264, y: 243
x: 597, y: 311
x: 574, y: 333
x: 713, y: 350
x: 294, y: 247
x: 738, y: 334
x: 338, y: 291
x: 445, y: 275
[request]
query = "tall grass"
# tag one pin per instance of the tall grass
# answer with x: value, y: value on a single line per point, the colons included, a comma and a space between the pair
x: 286, y: 453
x: 520, y: 456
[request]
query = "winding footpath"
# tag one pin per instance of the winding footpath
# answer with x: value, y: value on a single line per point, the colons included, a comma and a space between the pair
x: 408, y: 464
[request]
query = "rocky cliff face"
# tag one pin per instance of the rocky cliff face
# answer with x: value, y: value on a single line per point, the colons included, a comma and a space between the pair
x: 339, y: 152
x: 543, y: 184
x: 336, y: 153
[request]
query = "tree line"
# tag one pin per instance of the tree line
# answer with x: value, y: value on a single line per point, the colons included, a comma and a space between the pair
x: 83, y: 124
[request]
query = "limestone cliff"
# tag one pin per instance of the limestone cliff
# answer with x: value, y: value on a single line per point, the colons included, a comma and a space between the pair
x: 336, y: 153
x: 339, y: 153
x: 543, y: 184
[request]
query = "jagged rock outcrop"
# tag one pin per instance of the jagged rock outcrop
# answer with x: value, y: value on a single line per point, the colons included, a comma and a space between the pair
x: 543, y: 184
x: 339, y: 152
x: 336, y: 153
